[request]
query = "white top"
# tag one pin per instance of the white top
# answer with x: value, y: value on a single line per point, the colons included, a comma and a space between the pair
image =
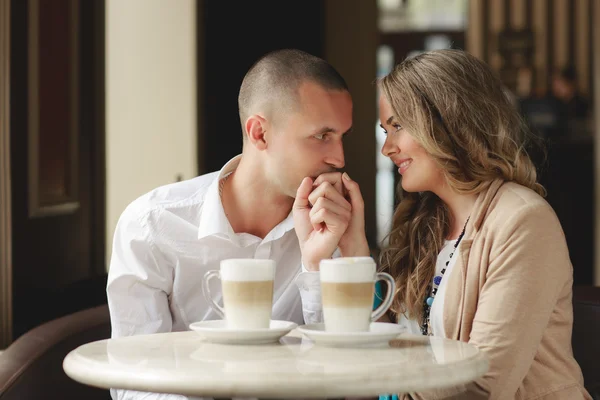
x: 183, y: 362
x: 436, y: 315
x: 164, y: 243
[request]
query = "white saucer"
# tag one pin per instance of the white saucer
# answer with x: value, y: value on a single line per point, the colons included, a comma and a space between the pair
x: 218, y: 332
x: 380, y: 333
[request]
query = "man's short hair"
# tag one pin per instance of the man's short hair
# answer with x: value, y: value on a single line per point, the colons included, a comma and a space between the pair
x: 271, y: 84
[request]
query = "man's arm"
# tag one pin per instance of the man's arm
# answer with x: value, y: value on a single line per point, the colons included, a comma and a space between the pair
x: 139, y: 283
x: 329, y: 215
x: 139, y: 280
x: 309, y: 285
x: 329, y: 222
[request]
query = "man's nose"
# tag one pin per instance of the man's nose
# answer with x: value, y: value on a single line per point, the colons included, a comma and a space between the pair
x: 336, y: 158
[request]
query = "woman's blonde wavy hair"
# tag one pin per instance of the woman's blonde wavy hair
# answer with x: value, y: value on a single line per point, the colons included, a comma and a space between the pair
x: 456, y: 108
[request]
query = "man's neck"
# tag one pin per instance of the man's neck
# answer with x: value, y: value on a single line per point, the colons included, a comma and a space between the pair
x: 251, y: 204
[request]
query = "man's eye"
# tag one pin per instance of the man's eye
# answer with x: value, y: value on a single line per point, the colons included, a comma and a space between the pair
x: 320, y: 136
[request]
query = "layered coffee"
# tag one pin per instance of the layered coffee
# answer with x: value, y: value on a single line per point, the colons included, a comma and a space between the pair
x: 348, y: 293
x: 248, y: 300
x: 247, y: 287
x: 347, y: 305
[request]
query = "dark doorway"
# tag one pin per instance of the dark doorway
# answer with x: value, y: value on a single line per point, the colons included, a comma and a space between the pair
x: 57, y: 158
x: 231, y: 37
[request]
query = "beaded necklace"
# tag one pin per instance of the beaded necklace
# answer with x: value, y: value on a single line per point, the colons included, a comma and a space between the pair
x: 426, y: 327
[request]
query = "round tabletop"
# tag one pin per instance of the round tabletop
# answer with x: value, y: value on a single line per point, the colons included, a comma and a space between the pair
x: 184, y: 363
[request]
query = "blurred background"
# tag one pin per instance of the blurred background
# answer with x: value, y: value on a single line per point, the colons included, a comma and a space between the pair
x: 104, y: 100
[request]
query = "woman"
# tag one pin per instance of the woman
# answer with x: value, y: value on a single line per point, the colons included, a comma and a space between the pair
x: 477, y: 253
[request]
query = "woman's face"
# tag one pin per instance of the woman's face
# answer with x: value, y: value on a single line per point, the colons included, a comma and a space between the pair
x: 419, y: 171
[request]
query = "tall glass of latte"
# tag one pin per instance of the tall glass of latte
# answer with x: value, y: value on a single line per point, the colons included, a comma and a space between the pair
x: 247, y: 286
x: 348, y: 290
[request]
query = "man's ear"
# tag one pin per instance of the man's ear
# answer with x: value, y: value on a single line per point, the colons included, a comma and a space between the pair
x: 256, y: 128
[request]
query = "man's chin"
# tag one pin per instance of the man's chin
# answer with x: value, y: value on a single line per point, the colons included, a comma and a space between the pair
x: 292, y: 193
x: 323, y: 172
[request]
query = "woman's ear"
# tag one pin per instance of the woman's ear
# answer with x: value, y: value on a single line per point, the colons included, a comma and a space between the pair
x: 256, y: 128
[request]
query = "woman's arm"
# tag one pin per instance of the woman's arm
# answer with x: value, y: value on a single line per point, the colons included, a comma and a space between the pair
x: 529, y: 268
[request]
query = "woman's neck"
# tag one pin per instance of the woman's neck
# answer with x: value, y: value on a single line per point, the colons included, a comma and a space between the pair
x: 460, y: 207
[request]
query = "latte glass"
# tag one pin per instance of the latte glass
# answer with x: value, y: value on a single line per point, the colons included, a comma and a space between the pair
x: 247, y: 286
x: 348, y: 292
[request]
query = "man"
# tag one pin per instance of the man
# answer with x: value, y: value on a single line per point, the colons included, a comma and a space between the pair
x: 564, y: 87
x: 294, y: 109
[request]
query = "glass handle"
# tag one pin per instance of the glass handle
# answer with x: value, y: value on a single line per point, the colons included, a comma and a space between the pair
x: 387, y: 302
x: 206, y: 291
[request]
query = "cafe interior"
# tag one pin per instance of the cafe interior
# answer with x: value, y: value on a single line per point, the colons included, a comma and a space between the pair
x: 104, y: 100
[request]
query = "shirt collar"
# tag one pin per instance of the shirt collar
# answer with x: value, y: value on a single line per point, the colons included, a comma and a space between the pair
x: 213, y: 220
x: 281, y: 229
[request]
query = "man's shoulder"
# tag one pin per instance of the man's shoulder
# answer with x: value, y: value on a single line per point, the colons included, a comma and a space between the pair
x: 173, y: 196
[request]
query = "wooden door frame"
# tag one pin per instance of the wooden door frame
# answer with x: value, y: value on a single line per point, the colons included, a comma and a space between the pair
x: 99, y: 162
x: 98, y: 226
x: 5, y: 184
x: 596, y: 113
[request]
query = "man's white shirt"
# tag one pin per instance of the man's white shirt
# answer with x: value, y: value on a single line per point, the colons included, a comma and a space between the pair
x: 164, y: 243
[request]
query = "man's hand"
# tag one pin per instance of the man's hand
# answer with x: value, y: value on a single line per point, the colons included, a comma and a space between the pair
x: 329, y: 213
x: 353, y: 242
x: 321, y: 217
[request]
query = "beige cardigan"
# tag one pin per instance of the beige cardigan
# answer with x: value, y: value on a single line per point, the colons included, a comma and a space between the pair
x: 510, y: 294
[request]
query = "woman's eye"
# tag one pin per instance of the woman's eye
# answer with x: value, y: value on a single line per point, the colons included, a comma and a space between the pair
x: 396, y: 127
x: 320, y: 136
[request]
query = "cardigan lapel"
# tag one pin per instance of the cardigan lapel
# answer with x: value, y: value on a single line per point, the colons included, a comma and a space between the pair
x: 456, y: 289
x: 455, y: 292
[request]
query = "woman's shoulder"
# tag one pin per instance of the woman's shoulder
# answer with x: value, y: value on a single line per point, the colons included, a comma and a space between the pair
x: 522, y: 221
x: 517, y: 203
x: 512, y: 197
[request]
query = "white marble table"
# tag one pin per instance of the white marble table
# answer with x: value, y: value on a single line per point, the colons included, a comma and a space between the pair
x: 184, y: 363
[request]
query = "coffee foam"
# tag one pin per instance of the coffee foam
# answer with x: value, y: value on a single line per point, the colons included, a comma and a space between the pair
x: 348, y: 269
x: 247, y: 269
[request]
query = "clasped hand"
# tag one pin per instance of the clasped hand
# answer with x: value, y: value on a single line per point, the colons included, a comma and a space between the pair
x: 329, y: 214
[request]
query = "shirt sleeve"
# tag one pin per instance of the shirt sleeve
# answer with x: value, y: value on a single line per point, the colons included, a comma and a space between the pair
x: 309, y: 285
x: 138, y: 288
